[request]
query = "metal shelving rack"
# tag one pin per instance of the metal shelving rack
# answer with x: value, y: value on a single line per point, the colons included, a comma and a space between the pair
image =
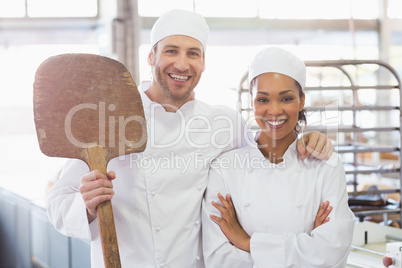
x: 351, y: 83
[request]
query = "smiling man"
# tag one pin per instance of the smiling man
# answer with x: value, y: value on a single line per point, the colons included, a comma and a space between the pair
x: 157, y: 194
x: 177, y: 64
x: 177, y: 59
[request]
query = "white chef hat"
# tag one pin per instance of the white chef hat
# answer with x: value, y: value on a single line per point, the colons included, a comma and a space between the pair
x: 277, y: 60
x: 180, y: 22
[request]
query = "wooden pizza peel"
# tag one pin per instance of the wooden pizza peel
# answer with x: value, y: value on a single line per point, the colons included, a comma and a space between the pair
x: 88, y: 107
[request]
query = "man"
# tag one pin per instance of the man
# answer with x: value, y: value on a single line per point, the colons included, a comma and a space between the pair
x: 157, y: 194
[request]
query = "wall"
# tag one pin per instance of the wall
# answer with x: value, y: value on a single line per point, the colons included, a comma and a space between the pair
x: 28, y: 240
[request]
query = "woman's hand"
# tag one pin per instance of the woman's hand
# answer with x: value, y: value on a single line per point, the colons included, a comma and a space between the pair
x: 229, y: 224
x: 322, y: 214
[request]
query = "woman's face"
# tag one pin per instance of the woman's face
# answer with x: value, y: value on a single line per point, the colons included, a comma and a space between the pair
x: 276, y: 103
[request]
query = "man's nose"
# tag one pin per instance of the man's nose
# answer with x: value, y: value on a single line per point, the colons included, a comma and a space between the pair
x: 182, y: 63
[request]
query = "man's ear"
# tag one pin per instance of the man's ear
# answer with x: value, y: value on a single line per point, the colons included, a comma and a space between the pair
x: 150, y: 58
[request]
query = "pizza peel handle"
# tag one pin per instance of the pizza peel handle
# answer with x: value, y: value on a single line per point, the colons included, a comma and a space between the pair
x: 88, y: 107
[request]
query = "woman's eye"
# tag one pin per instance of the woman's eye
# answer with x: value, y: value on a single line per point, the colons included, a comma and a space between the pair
x: 262, y: 100
x: 286, y: 99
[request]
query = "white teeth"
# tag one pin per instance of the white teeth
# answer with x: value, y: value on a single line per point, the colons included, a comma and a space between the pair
x: 276, y: 123
x: 179, y: 77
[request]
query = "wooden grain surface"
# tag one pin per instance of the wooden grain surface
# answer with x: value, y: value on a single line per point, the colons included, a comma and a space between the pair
x: 88, y: 107
x: 83, y: 101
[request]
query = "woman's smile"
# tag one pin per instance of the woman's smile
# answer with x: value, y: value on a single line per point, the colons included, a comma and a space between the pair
x: 275, y: 123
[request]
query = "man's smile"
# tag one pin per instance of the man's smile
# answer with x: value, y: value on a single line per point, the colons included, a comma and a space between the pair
x: 180, y: 78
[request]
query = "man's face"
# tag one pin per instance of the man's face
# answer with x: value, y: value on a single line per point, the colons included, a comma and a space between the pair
x: 178, y: 62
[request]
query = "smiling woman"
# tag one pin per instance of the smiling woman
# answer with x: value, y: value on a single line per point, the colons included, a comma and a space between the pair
x: 272, y: 217
x: 277, y: 104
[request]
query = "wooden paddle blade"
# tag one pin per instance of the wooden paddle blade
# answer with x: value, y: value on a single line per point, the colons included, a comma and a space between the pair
x: 83, y: 101
x: 88, y: 107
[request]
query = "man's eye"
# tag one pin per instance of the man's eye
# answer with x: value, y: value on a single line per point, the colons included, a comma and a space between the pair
x: 194, y: 54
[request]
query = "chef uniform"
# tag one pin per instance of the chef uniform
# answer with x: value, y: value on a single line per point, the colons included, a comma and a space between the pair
x: 276, y: 204
x: 158, y: 193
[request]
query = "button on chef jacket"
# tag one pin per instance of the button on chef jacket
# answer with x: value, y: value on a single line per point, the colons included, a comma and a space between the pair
x: 158, y: 193
x: 277, y: 205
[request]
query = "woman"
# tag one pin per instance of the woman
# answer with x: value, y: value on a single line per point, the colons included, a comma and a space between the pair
x: 268, y: 218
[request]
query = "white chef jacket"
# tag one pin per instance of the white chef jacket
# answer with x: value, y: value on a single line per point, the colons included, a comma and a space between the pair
x: 277, y: 205
x: 158, y: 193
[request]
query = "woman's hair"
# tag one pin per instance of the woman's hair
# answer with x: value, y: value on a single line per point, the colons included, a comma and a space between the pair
x: 302, y: 114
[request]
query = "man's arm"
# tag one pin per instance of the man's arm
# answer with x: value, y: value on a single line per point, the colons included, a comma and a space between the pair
x: 72, y: 201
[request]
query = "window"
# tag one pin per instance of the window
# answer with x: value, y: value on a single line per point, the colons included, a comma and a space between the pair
x: 227, y: 8
x: 394, y: 9
x: 12, y: 9
x: 62, y: 8
x: 48, y: 8
x: 154, y: 8
x: 272, y: 9
x: 319, y: 9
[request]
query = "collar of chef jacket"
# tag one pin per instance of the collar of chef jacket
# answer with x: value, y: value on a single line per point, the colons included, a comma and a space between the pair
x: 148, y: 103
x: 290, y: 155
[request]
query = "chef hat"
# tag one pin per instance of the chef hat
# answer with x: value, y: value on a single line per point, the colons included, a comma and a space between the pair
x: 180, y: 22
x: 277, y: 60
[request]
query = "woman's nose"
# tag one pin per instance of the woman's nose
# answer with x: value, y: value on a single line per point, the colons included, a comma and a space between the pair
x: 275, y: 108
